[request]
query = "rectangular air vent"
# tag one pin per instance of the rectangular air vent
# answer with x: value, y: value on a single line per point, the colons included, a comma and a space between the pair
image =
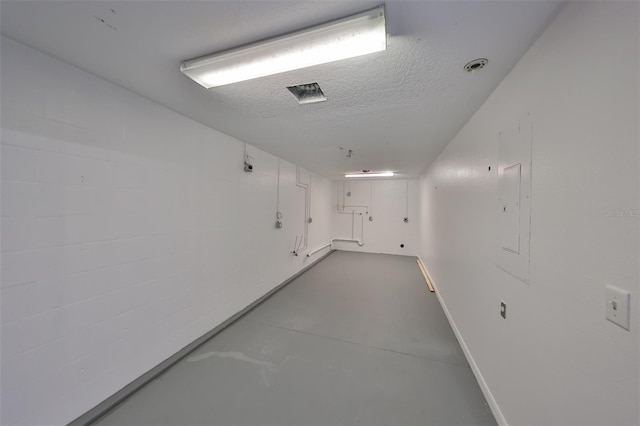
x: 307, y: 93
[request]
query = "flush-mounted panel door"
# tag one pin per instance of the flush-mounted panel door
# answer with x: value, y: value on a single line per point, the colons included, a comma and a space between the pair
x: 510, y: 185
x: 513, y: 208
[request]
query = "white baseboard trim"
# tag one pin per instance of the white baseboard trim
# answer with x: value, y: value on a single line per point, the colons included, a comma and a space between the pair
x: 493, y: 405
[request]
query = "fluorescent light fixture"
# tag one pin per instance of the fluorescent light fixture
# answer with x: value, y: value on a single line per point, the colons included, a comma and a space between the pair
x: 377, y: 174
x: 345, y: 38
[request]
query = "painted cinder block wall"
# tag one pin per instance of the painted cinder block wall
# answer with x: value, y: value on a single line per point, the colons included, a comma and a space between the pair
x: 555, y: 359
x: 128, y: 231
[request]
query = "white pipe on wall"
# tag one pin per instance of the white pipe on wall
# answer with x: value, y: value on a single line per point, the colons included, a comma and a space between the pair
x: 353, y: 220
x: 278, y: 189
x: 407, y: 201
x: 311, y: 253
x: 360, y: 243
x: 305, y: 235
x: 340, y: 207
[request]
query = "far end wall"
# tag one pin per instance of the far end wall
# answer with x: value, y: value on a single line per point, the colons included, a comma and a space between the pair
x: 373, y: 212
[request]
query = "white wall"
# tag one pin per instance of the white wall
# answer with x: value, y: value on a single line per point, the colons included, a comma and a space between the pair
x: 128, y: 231
x: 387, y: 202
x: 555, y: 359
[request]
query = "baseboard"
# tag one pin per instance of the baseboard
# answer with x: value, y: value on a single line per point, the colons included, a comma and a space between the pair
x: 120, y: 396
x: 493, y: 405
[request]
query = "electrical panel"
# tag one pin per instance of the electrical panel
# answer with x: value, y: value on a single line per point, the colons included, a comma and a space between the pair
x: 514, y: 197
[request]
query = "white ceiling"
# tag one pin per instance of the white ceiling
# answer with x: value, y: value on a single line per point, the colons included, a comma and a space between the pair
x: 396, y: 109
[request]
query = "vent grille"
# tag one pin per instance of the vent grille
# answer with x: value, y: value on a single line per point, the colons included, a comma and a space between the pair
x: 309, y: 93
x: 476, y: 64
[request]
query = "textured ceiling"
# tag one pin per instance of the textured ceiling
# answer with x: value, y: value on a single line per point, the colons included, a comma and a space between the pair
x: 395, y: 109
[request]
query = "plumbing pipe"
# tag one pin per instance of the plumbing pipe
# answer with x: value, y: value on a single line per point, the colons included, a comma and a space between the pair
x: 306, y: 188
x: 407, y: 200
x: 353, y: 221
x: 278, y: 191
x: 341, y: 190
x: 349, y: 240
x: 353, y: 239
x: 370, y: 212
x: 311, y: 253
x: 355, y: 207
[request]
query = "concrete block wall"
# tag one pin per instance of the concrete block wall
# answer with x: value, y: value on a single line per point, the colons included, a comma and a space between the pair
x: 128, y: 231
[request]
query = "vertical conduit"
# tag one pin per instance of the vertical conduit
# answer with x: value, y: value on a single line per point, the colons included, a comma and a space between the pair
x: 353, y: 218
x: 278, y: 214
x: 305, y: 186
x: 344, y: 192
x: 344, y: 187
x: 407, y: 200
x: 371, y: 199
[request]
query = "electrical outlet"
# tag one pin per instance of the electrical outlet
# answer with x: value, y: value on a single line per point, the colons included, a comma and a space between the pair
x: 618, y: 302
x: 278, y: 224
x: 503, y: 310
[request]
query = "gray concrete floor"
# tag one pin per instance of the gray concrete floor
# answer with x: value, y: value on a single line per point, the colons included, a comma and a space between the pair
x: 356, y: 340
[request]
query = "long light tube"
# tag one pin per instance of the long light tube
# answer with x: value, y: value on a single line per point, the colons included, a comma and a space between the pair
x: 353, y: 36
x: 357, y: 175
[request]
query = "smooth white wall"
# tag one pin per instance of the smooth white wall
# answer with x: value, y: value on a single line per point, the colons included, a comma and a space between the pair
x: 555, y: 359
x: 387, y: 202
x: 128, y: 231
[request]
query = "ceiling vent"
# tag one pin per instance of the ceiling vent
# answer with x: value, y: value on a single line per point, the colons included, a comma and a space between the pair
x: 476, y: 64
x: 309, y: 93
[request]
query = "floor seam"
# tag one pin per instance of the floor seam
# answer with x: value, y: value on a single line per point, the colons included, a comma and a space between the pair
x: 363, y: 345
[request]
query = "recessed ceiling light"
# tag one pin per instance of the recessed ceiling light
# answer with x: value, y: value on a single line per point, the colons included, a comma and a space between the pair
x: 353, y: 36
x: 476, y: 64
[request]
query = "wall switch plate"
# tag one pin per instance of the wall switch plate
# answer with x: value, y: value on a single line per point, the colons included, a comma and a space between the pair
x: 618, y: 308
x: 503, y: 310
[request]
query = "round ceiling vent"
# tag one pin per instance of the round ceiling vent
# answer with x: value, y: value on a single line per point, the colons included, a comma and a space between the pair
x: 476, y: 64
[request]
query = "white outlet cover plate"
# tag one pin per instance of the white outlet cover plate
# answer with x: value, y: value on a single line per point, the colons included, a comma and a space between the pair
x: 618, y: 302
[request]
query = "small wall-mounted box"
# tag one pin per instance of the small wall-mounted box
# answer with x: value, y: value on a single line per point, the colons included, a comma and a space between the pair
x: 618, y: 302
